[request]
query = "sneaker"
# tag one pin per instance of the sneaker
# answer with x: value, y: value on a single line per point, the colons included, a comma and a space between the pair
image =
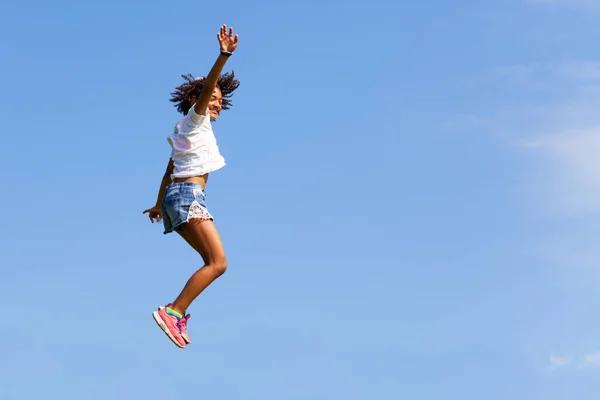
x: 182, y: 325
x: 170, y: 325
x: 183, y: 328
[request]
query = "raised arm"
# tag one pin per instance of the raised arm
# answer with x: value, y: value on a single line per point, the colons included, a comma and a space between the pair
x: 228, y: 43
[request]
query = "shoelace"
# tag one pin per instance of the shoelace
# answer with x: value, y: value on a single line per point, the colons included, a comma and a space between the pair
x: 183, y: 322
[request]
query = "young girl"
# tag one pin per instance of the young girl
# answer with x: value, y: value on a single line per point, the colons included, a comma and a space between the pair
x: 181, y: 197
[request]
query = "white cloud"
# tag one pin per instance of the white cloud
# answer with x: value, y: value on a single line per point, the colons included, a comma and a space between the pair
x: 586, y: 361
x: 560, y: 133
x: 569, y: 169
x: 590, y: 361
x: 559, y: 361
x: 550, y: 113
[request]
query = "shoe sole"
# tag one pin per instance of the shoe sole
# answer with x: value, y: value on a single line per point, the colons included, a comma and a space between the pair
x: 161, y: 324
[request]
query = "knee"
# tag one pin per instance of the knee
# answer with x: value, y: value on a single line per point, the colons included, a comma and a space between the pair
x: 219, y: 265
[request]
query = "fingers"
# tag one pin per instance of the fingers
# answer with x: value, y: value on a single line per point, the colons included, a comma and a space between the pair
x: 155, y: 217
x: 223, y: 33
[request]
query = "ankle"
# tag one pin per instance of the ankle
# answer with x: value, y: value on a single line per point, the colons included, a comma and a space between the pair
x: 178, y: 310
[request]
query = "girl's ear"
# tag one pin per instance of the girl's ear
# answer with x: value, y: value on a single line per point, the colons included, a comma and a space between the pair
x: 193, y: 100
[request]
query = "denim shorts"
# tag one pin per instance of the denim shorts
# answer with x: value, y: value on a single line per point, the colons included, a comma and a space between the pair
x: 183, y: 201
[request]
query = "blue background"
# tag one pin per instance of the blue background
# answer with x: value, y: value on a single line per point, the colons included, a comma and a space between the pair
x: 406, y: 209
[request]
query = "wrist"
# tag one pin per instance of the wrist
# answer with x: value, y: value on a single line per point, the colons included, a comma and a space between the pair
x: 226, y: 53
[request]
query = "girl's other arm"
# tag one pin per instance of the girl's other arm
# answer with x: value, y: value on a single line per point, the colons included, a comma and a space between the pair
x: 154, y: 213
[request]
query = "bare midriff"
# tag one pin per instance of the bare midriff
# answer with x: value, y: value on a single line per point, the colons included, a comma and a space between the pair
x: 200, y: 180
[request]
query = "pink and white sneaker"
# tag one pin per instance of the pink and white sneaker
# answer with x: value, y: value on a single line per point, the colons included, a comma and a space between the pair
x: 170, y: 324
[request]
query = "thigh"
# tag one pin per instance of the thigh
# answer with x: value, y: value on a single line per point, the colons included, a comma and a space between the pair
x: 184, y: 236
x: 203, y: 236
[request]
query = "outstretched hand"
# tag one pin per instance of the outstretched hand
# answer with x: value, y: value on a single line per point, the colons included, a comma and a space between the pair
x: 226, y: 39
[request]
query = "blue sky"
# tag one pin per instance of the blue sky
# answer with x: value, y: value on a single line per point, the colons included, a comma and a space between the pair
x: 409, y: 205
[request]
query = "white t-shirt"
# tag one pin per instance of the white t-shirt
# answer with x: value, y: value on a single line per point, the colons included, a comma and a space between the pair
x: 194, y: 146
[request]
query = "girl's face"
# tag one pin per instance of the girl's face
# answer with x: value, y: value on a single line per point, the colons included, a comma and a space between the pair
x: 215, y: 104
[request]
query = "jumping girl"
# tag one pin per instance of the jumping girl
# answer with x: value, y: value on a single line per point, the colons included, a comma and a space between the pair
x: 181, y: 197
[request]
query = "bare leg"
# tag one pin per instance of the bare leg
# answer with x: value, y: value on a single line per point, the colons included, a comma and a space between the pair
x: 202, y: 235
x: 184, y: 236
